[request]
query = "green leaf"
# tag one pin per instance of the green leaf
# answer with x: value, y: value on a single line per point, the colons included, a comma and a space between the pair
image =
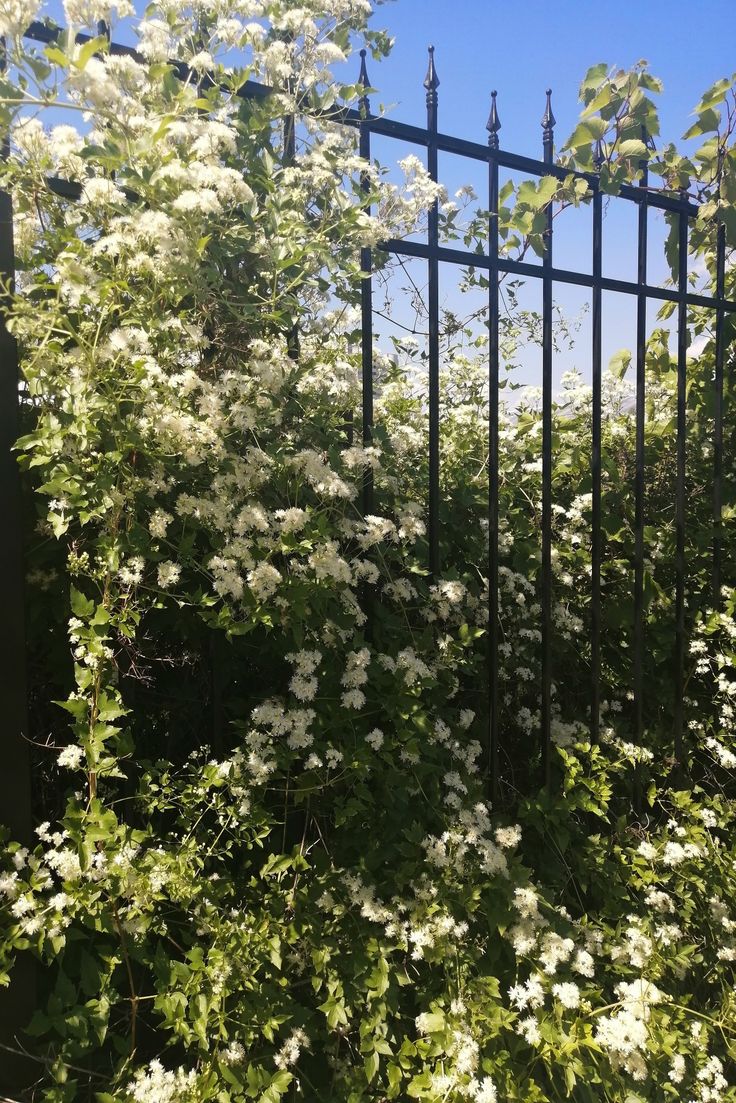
x: 94, y: 46
x: 716, y: 94
x: 598, y: 102
x: 632, y: 148
x: 371, y: 1064
x: 537, y: 195
x: 594, y: 77
x: 619, y: 363
x: 53, y: 53
x: 708, y: 121
x: 82, y: 606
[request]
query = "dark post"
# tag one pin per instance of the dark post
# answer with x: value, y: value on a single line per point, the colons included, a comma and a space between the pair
x: 15, y: 802
x: 641, y: 350
x: 16, y: 1002
x: 718, y: 415
x: 431, y: 83
x: 5, y: 145
x: 292, y: 338
x: 595, y: 634
x: 681, y: 472
x: 493, y: 126
x: 548, y: 122
x: 366, y: 294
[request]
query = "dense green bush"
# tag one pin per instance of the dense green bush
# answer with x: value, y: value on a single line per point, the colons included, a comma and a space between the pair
x: 266, y: 863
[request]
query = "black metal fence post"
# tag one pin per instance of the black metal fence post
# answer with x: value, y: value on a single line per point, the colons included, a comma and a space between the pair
x: 366, y: 294
x: 431, y: 83
x: 680, y: 564
x: 15, y: 789
x: 289, y: 136
x: 596, y: 459
x: 548, y: 122
x: 718, y: 412
x: 640, y: 458
x: 17, y: 1002
x: 493, y: 126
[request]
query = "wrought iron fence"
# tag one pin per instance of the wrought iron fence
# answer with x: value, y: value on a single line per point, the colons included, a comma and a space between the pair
x: 16, y: 781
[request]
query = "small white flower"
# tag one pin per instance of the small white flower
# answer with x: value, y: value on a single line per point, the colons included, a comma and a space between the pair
x: 567, y: 993
x: 168, y: 574
x: 374, y: 739
x: 71, y: 757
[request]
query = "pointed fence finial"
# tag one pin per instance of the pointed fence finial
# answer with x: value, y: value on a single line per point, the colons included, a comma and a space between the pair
x: 103, y: 29
x: 548, y: 122
x: 364, y: 82
x: 548, y: 119
x: 598, y: 157
x: 494, y: 123
x: 431, y: 81
x: 648, y: 140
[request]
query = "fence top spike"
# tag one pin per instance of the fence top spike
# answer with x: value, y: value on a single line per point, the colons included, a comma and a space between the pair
x: 103, y: 29
x: 494, y: 123
x: 548, y: 119
x: 598, y: 157
x: 647, y: 139
x: 363, y: 76
x: 365, y: 83
x: 431, y: 81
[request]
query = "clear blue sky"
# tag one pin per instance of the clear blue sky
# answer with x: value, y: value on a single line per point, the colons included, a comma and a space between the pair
x: 521, y: 50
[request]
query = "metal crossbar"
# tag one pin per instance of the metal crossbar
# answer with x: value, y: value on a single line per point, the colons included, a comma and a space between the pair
x: 433, y: 253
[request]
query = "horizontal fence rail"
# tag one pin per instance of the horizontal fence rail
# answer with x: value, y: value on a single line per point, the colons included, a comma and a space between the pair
x: 495, y: 264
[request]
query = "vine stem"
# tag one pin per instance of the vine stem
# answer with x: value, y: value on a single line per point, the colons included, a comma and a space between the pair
x: 131, y: 983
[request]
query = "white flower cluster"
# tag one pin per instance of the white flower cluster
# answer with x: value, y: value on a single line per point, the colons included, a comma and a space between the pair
x: 157, y: 1084
x: 624, y: 1033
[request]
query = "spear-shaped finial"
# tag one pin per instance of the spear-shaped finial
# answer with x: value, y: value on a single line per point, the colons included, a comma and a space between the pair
x: 598, y: 157
x: 431, y: 81
x: 548, y: 122
x: 103, y: 29
x: 548, y: 119
x: 494, y: 123
x: 648, y: 141
x: 364, y: 83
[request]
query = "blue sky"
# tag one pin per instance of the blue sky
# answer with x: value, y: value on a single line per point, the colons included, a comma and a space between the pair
x: 523, y: 49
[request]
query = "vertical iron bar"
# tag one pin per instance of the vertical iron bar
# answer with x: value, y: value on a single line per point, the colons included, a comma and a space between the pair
x: 718, y: 416
x: 431, y: 83
x: 5, y: 144
x: 641, y: 350
x: 15, y: 783
x: 18, y: 1001
x: 292, y: 337
x: 493, y: 126
x: 596, y: 539
x: 366, y: 296
x: 680, y: 564
x: 548, y: 122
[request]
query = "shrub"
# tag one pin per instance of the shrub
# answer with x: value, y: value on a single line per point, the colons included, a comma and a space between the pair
x: 274, y: 868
